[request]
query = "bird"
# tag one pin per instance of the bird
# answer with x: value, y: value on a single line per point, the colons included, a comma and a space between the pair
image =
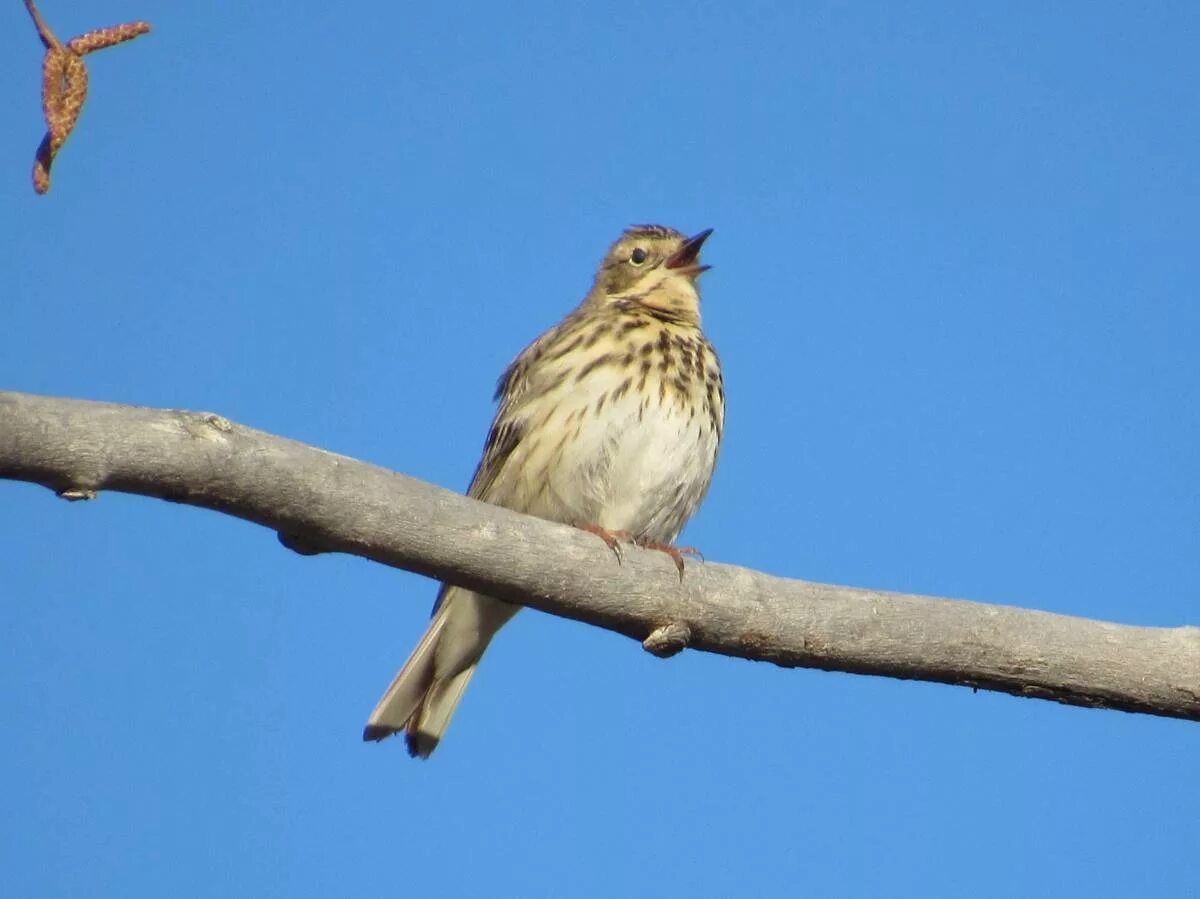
x: 611, y: 421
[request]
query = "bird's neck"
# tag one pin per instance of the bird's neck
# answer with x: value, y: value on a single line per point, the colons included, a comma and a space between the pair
x: 669, y: 297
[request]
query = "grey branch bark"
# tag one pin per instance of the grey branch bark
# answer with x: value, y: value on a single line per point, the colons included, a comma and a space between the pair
x: 321, y: 502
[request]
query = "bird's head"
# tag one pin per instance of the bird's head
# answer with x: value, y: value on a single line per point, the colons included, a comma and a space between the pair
x: 655, y: 267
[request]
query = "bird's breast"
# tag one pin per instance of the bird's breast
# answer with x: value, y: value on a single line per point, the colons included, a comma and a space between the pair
x: 627, y: 441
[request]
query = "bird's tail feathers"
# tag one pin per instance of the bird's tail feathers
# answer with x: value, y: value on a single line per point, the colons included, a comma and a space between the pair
x: 408, y: 688
x: 423, y: 696
x: 426, y: 726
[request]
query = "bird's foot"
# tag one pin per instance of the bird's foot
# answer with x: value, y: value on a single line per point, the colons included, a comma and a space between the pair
x: 612, y: 539
x: 676, y: 553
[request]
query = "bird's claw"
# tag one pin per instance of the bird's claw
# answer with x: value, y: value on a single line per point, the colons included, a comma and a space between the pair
x: 612, y: 539
x: 675, y: 552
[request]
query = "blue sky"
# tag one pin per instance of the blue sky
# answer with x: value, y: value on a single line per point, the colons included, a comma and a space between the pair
x: 954, y: 291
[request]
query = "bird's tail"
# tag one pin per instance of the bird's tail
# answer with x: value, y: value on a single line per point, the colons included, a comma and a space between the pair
x: 422, y: 698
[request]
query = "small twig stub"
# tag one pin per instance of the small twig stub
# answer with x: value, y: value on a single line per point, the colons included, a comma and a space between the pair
x: 668, y: 640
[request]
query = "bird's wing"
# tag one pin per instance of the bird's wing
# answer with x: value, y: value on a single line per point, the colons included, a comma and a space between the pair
x: 517, y: 385
x: 526, y: 378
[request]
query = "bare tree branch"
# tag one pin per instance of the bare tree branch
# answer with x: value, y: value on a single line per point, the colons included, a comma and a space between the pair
x: 320, y: 501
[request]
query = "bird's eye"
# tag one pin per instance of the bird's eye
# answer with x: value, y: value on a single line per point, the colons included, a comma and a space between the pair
x: 638, y: 256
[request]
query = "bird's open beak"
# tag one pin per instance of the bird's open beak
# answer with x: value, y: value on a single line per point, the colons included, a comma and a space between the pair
x: 685, y: 257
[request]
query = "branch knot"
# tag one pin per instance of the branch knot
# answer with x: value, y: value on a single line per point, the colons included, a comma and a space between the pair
x: 668, y: 640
